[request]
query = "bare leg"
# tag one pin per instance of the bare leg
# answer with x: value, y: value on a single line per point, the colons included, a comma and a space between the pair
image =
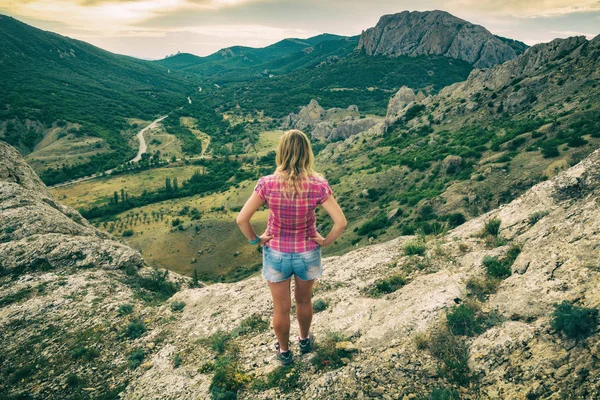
x: 304, y: 312
x: 281, y: 312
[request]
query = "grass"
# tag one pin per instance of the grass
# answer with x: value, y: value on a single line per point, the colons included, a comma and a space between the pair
x: 253, y: 324
x: 228, y: 378
x: 136, y: 358
x: 386, y: 285
x: 414, y: 248
x: 177, y: 306
x: 496, y: 268
x: 320, y: 305
x: 465, y: 320
x: 574, y: 321
x: 125, y: 309
x: 492, y: 227
x: 536, y: 216
x: 452, y: 352
x: 286, y: 378
x: 328, y: 354
x: 134, y: 330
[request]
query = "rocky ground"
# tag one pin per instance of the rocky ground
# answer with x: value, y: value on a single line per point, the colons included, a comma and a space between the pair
x: 67, y: 333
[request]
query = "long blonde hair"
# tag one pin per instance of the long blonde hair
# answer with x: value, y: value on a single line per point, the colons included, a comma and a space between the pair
x: 294, y: 159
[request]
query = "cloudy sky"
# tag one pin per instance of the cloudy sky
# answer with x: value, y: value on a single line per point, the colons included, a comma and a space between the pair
x: 155, y: 28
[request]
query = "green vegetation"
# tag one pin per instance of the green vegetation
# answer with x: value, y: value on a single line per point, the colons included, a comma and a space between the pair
x: 134, y: 329
x: 465, y: 320
x: 501, y: 268
x: 492, y: 227
x: 177, y: 306
x: 153, y: 287
x: 286, y: 378
x: 443, y: 394
x: 125, y: 309
x: 320, y: 305
x: 536, y: 216
x: 414, y: 248
x: 453, y: 353
x: 136, y: 358
x: 574, y: 321
x: 386, y: 285
x: 378, y: 222
x: 332, y: 352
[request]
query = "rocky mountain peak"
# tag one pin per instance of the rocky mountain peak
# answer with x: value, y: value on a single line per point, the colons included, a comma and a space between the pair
x: 435, y: 33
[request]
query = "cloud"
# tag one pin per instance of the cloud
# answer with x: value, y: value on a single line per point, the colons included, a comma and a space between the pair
x: 529, y: 8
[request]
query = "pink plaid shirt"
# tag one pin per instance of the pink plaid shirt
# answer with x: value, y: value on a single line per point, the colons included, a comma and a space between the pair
x: 292, y: 221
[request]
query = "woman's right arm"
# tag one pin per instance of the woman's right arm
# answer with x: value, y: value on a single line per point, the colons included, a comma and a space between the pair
x: 339, y: 223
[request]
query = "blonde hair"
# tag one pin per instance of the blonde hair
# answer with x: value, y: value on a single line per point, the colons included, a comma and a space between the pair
x: 294, y: 159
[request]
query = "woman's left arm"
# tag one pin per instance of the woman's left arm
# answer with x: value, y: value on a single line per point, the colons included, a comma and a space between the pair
x: 243, y: 219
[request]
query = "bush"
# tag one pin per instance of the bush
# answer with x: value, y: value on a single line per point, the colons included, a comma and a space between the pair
x: 328, y: 354
x: 575, y: 322
x: 128, y: 233
x: 253, y: 324
x: 156, y: 282
x: 135, y: 329
x: 320, y: 305
x: 285, y: 377
x: 387, y: 285
x: 83, y: 352
x: 218, y: 341
x: 464, y: 320
x: 536, y: 216
x: 136, y: 357
x: 495, y: 268
x: 492, y: 227
x: 177, y: 306
x: 481, y: 287
x: 125, y: 309
x: 444, y: 394
x: 177, y: 361
x: 453, y: 353
x: 379, y: 222
x: 228, y: 378
x: 414, y: 247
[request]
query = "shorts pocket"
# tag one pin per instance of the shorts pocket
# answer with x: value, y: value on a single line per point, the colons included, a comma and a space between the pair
x: 312, y: 259
x: 272, y: 261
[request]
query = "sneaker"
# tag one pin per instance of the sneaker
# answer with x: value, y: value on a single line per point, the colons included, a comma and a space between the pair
x: 306, y: 345
x: 284, y: 356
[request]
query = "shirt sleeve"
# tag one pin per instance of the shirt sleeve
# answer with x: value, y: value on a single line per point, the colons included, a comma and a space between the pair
x: 260, y: 188
x: 325, y: 192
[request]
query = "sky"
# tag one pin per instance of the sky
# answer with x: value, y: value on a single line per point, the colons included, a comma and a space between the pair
x: 153, y: 29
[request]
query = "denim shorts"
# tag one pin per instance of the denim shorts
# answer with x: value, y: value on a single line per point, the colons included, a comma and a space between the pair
x: 279, y: 266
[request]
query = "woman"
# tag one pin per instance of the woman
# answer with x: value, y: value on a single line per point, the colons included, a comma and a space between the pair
x: 291, y: 243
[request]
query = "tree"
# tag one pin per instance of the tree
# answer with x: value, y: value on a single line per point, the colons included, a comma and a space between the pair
x: 195, y: 281
x: 123, y: 195
x: 168, y: 184
x: 116, y: 198
x: 175, y: 184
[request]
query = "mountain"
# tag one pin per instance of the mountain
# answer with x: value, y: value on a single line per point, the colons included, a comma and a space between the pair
x: 511, y: 292
x: 63, y: 94
x: 439, y: 33
x: 439, y: 160
x: 236, y: 57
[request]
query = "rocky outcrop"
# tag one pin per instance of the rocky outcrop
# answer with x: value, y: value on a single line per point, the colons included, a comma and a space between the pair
x: 38, y: 233
x: 435, y: 33
x: 333, y: 124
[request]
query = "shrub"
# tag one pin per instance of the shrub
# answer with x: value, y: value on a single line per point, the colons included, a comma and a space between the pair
x: 444, y: 394
x: 156, y: 282
x: 328, y: 354
x: 253, y: 324
x: 575, y: 322
x: 285, y: 377
x: 464, y: 320
x: 481, y: 287
x: 73, y: 380
x: 177, y: 306
x: 83, y: 352
x: 387, y: 285
x: 536, y: 216
x: 320, y: 305
x: 492, y: 227
x: 218, y: 341
x: 177, y: 361
x: 228, y: 378
x: 421, y: 341
x: 453, y: 353
x: 414, y: 247
x: 128, y: 233
x: 135, y: 329
x: 550, y: 150
x: 136, y: 357
x: 125, y: 309
x: 495, y: 268
x: 378, y: 222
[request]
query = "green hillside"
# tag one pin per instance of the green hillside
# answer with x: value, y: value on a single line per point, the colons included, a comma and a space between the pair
x: 50, y: 80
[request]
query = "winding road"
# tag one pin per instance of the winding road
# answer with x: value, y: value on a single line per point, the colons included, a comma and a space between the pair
x: 142, y: 149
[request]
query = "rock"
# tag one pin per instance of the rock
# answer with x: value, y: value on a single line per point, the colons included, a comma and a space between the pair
x: 346, y: 346
x: 452, y: 164
x: 435, y: 32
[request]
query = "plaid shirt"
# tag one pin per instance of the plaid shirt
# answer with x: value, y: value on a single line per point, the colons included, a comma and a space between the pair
x: 292, y: 221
